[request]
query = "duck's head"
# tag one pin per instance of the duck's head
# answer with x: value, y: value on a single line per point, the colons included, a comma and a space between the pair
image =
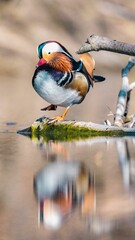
x: 55, y: 55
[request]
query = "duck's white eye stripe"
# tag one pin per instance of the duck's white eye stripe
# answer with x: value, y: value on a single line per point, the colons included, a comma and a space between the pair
x: 52, y: 47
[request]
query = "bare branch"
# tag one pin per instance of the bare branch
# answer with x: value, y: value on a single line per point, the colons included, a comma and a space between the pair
x: 97, y: 43
x: 124, y: 95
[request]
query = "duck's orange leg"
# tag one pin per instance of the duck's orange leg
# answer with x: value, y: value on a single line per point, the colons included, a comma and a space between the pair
x: 59, y: 118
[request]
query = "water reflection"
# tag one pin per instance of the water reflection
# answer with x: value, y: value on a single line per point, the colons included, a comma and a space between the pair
x: 110, y: 161
x: 125, y: 152
x: 61, y: 187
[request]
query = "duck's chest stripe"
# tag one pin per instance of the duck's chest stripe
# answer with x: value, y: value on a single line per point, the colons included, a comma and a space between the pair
x: 64, y: 79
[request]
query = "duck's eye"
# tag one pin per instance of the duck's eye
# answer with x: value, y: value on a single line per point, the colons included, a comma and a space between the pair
x: 49, y: 52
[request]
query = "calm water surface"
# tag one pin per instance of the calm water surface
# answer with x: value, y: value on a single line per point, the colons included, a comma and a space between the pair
x: 66, y: 190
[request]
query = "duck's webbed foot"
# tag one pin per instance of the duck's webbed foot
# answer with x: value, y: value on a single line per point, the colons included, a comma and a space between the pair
x: 49, y: 108
x: 59, y: 118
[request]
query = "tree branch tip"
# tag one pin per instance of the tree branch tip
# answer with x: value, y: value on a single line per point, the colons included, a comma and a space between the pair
x: 132, y: 60
x: 84, y: 48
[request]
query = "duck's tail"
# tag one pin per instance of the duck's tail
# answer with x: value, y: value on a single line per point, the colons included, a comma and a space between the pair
x: 98, y: 78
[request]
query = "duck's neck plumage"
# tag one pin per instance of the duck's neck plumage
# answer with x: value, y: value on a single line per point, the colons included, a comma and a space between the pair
x: 61, y: 62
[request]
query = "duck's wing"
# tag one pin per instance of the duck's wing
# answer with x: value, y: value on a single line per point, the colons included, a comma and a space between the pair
x: 89, y: 66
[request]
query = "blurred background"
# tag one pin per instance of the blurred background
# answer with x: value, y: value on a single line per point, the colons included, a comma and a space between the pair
x: 25, y: 24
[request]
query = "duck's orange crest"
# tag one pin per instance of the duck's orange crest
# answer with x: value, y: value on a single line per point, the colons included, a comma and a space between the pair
x: 60, y: 62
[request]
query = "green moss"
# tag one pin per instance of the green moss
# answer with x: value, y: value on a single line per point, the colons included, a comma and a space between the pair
x: 63, y: 132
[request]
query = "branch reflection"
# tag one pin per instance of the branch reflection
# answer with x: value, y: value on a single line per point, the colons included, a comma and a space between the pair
x: 127, y: 161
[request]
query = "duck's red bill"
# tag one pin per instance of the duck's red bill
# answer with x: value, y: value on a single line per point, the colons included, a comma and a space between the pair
x: 41, y: 62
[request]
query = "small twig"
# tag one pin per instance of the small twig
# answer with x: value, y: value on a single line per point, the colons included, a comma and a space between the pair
x: 132, y: 122
x: 97, y: 43
x: 131, y: 86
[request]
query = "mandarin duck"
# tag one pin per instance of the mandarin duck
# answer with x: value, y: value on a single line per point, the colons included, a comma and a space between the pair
x: 59, y: 79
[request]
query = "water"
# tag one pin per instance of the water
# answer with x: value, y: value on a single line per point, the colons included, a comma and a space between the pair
x: 66, y: 190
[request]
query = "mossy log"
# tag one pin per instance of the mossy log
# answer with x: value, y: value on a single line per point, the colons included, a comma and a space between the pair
x: 70, y: 130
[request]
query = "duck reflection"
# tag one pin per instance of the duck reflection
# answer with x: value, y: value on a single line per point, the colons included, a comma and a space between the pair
x: 60, y: 187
